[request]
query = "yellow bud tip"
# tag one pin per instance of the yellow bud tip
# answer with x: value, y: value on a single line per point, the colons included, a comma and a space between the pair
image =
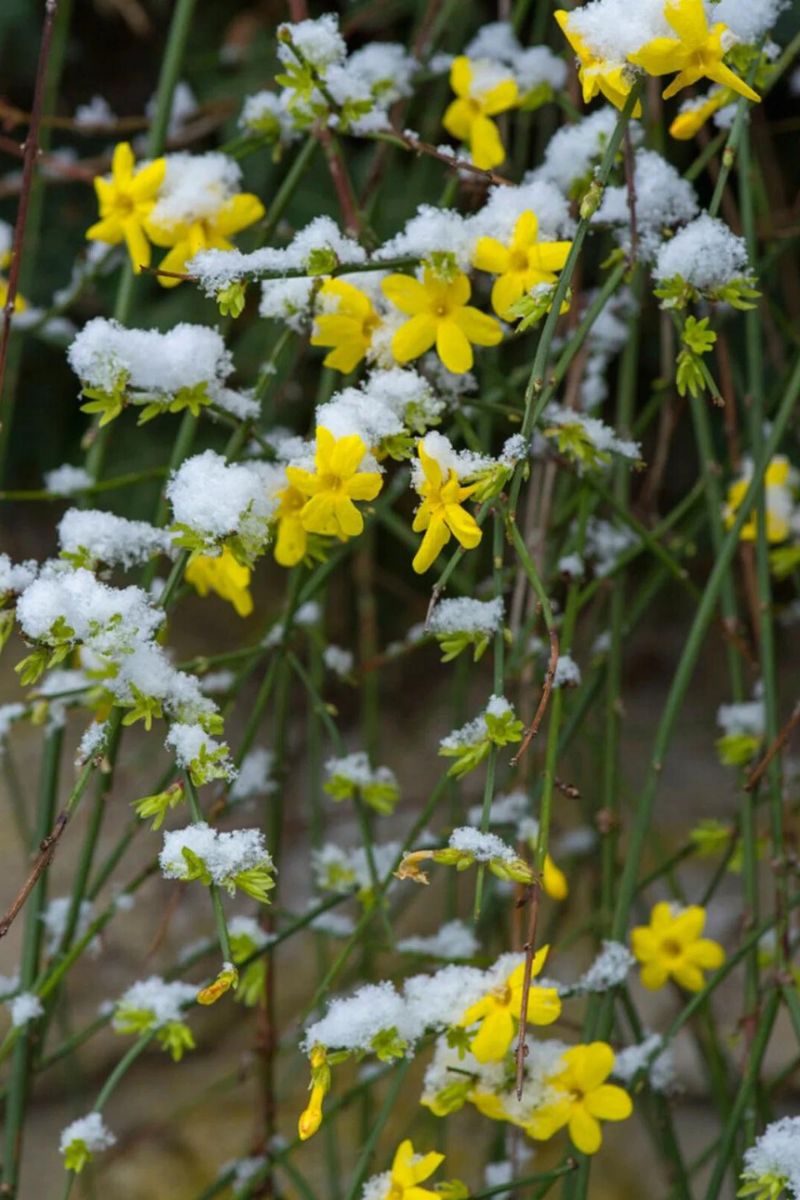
x: 228, y: 978
x: 309, y: 1123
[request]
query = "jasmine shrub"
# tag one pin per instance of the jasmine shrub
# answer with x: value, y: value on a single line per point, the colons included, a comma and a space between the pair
x: 493, y: 371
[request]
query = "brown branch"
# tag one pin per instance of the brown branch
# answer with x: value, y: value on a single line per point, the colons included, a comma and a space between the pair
x: 522, y: 1048
x: 47, y: 848
x: 755, y: 776
x: 533, y: 728
x: 411, y: 142
x: 28, y: 166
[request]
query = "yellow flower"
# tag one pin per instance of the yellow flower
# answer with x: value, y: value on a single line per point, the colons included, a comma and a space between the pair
x: 586, y: 1101
x: 225, y: 576
x: 126, y: 201
x: 439, y: 315
x: 520, y: 265
x: 19, y: 304
x: 692, y: 119
x: 499, y: 1011
x: 333, y: 486
x: 409, y: 1170
x: 597, y: 74
x: 311, y: 1116
x: 696, y: 53
x: 292, y: 539
x: 441, y: 514
x: 671, y: 947
x: 468, y: 117
x: 207, y: 233
x: 554, y: 880
x: 778, y: 500
x: 349, y: 330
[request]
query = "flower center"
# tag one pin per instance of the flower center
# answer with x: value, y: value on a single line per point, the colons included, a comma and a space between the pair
x: 474, y: 107
x: 502, y: 995
x: 395, y: 1192
x: 519, y: 260
x: 124, y: 203
x: 440, y: 309
x: 671, y: 948
x: 330, y: 483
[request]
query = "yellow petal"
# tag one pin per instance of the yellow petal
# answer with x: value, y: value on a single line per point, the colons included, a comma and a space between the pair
x: 413, y: 338
x: 609, y: 1103
x: 324, y: 450
x: 349, y: 520
x: 318, y: 515
x: 499, y: 98
x: 148, y: 180
x: 689, y: 924
x: 405, y: 293
x: 239, y: 212
x: 653, y: 976
x: 706, y: 954
x: 463, y: 526
x: 109, y: 230
x: 728, y: 78
x: 175, y: 260
x: 506, y: 291
x: 494, y: 1036
x: 425, y: 1166
x: 644, y: 943
x: 485, y: 143
x: 584, y: 1130
x: 458, y: 118
x: 290, y: 548
x: 453, y: 347
x: 461, y: 75
x: 688, y: 20
x: 547, y: 1120
x: 660, y: 56
x: 593, y: 1065
x: 365, y: 485
x: 346, y: 455
x: 478, y: 327
x: 430, y: 466
x: 137, y: 243
x: 122, y: 164
x: 688, y: 976
x: 554, y: 880
x: 491, y: 255
x: 436, y: 538
x: 544, y: 1006
x: 685, y: 79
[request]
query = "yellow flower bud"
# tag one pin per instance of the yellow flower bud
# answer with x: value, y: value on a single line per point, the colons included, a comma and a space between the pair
x: 228, y: 978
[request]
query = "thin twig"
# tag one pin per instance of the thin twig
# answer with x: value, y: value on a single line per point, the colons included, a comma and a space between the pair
x: 28, y: 166
x: 522, y: 1048
x: 755, y: 776
x: 547, y: 688
x: 630, y: 183
x: 47, y: 848
x: 410, y: 141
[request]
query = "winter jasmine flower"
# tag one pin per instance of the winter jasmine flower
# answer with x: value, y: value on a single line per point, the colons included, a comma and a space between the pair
x: 441, y: 515
x: 84, y: 1138
x: 348, y: 329
x: 500, y: 1010
x: 521, y: 265
x: 292, y: 540
x: 225, y: 576
x: 126, y: 200
x: 334, y: 485
x: 483, y: 90
x: 671, y: 947
x: 696, y: 53
x: 596, y: 73
x: 584, y: 1098
x: 440, y: 316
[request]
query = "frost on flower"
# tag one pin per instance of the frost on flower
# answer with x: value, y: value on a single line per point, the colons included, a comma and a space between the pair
x: 567, y: 672
x: 609, y: 969
x: 706, y: 258
x: 337, y: 869
x: 24, y: 1007
x: 743, y: 727
x: 774, y: 1160
x: 587, y: 441
x: 338, y: 660
x: 664, y: 200
x: 89, y: 536
x: 215, y: 499
x: 66, y: 480
x: 255, y: 776
x: 574, y: 150
x: 455, y: 939
x: 651, y: 1056
x: 315, y: 250
x: 16, y: 577
x: 481, y: 847
x: 463, y: 622
x: 185, y: 366
x: 201, y: 755
x: 234, y: 859
x: 84, y: 1138
x: 353, y: 776
x: 497, y: 725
